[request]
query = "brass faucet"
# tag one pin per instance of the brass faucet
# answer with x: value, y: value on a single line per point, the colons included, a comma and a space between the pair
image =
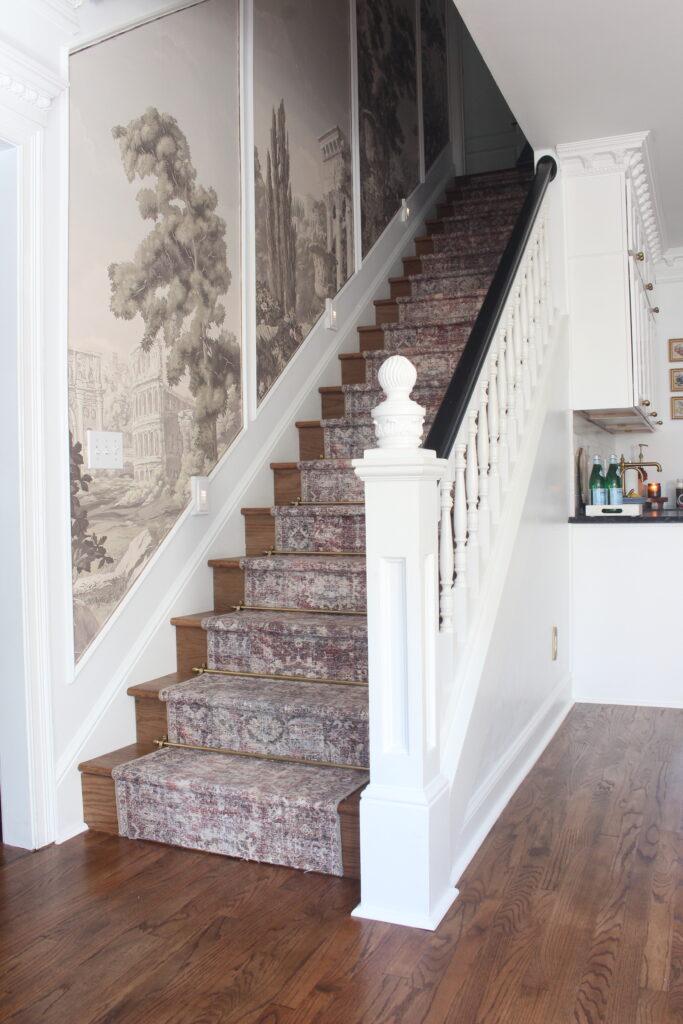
x: 623, y: 466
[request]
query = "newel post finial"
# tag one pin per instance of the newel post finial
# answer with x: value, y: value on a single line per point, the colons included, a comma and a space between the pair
x: 398, y: 419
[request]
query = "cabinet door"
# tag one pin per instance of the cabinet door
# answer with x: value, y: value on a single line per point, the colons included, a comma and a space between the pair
x: 640, y: 275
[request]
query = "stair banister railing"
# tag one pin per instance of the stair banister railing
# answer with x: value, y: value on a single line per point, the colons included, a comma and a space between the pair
x: 431, y: 517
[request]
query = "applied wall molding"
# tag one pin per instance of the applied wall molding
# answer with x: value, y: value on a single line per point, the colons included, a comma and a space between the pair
x: 629, y: 154
x: 669, y: 268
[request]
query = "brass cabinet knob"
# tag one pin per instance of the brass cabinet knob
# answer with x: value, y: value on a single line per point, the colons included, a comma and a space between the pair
x: 655, y: 309
x: 654, y: 415
x: 649, y: 286
x: 645, y: 401
x: 659, y: 422
x: 640, y: 256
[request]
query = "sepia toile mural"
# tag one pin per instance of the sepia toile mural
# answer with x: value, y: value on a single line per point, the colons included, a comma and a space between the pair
x: 154, y: 289
x: 434, y: 79
x: 387, y: 106
x: 302, y: 170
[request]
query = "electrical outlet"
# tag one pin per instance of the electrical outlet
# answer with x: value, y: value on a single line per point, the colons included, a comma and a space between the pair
x: 553, y: 643
x: 105, y: 449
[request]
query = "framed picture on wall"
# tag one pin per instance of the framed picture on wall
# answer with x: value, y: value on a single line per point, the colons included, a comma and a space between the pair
x: 676, y: 350
x: 676, y: 380
x: 677, y: 408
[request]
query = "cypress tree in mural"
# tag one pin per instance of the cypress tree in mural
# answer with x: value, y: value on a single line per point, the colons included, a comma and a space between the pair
x: 179, y: 271
x: 280, y: 229
x: 86, y: 546
x: 386, y: 79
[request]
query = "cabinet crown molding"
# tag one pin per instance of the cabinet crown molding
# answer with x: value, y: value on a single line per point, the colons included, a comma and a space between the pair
x: 25, y: 79
x: 629, y: 154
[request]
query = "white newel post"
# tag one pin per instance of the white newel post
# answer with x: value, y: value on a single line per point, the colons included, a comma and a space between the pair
x: 405, y: 854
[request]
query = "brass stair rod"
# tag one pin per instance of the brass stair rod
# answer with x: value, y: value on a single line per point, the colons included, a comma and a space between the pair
x: 307, y: 611
x: 298, y: 501
x: 268, y: 675
x: 164, y: 742
x: 277, y: 551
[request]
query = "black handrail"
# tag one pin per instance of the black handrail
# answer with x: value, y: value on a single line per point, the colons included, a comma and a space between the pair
x: 446, y: 425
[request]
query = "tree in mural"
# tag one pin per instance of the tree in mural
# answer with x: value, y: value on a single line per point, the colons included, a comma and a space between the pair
x: 386, y: 79
x: 280, y: 229
x: 86, y: 547
x: 179, y: 271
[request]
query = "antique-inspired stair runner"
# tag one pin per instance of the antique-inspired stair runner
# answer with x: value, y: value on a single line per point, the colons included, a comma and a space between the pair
x: 303, y: 612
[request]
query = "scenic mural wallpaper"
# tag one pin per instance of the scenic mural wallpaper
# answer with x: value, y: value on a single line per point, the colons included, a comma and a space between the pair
x: 434, y: 79
x: 302, y: 171
x: 387, y: 102
x: 154, y: 286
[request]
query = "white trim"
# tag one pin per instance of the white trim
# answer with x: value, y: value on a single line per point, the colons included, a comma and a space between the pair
x: 627, y: 153
x: 118, y: 28
x: 670, y: 266
x: 355, y: 139
x: 26, y: 80
x: 37, y: 767
x: 429, y: 922
x: 499, y: 785
x: 248, y: 214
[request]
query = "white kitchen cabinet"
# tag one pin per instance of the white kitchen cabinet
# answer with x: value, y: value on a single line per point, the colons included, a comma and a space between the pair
x: 611, y: 303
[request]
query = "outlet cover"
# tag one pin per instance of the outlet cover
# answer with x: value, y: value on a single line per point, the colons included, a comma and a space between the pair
x: 105, y: 449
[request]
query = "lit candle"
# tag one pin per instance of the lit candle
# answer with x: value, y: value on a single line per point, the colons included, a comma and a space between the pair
x: 654, y: 490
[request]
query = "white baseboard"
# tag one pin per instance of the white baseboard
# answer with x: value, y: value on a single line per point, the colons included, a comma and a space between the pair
x: 492, y: 796
x: 374, y: 912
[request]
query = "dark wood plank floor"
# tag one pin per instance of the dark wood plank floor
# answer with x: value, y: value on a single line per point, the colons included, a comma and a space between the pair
x: 571, y: 913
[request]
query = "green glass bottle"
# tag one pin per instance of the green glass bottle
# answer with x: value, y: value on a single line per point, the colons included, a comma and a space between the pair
x: 597, y: 483
x: 615, y: 493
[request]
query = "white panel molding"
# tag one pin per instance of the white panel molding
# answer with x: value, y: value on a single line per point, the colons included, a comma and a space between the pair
x: 627, y: 153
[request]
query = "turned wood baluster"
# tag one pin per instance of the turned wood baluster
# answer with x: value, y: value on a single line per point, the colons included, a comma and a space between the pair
x: 503, y: 449
x: 483, y: 460
x: 460, y: 535
x: 533, y: 355
x: 545, y: 270
x: 541, y: 333
x: 511, y: 375
x: 446, y: 549
x: 472, y: 488
x: 494, y: 436
x: 520, y: 405
x: 524, y: 347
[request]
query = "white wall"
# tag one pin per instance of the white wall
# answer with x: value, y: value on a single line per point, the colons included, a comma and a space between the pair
x: 524, y: 694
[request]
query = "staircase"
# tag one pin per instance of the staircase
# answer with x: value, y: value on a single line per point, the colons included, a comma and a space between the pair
x: 284, y: 698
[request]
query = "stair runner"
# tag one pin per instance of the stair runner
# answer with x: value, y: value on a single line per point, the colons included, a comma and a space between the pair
x: 303, y: 614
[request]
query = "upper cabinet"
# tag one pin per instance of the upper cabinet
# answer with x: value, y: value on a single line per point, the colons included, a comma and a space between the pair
x: 612, y: 244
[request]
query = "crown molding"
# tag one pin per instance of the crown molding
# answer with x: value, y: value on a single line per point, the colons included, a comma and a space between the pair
x: 629, y: 154
x: 25, y: 79
x: 669, y: 268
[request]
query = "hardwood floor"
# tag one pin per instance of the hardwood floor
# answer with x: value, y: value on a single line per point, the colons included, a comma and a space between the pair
x: 571, y: 913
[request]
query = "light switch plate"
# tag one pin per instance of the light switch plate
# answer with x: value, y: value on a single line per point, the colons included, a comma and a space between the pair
x: 105, y: 449
x: 200, y: 495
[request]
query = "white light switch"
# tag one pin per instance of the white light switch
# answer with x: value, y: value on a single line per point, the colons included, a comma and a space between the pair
x: 105, y: 449
x: 200, y: 495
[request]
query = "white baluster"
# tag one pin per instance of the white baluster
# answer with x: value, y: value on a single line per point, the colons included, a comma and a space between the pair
x: 472, y: 487
x: 503, y: 450
x: 545, y: 268
x: 460, y: 534
x: 511, y: 374
x: 446, y: 552
x: 531, y: 323
x: 541, y: 334
x: 483, y: 460
x: 520, y: 405
x: 524, y: 346
x: 494, y: 435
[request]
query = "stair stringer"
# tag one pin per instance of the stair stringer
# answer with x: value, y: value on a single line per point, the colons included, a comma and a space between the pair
x: 177, y: 579
x: 475, y: 804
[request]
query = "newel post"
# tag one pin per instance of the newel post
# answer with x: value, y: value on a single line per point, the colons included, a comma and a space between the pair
x: 405, y: 854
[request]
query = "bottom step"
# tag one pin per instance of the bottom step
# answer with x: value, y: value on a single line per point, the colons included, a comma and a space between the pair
x: 256, y: 809
x: 100, y: 813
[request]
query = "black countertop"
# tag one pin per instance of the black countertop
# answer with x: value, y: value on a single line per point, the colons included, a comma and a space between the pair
x: 671, y: 516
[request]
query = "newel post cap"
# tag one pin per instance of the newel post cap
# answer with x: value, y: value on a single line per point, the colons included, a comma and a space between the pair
x: 398, y: 419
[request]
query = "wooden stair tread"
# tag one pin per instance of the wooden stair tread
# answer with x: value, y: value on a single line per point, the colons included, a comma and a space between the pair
x: 193, y: 620
x: 149, y: 690
x: 307, y: 423
x: 225, y: 563
x: 284, y: 465
x: 255, y: 511
x: 103, y: 764
x: 334, y: 389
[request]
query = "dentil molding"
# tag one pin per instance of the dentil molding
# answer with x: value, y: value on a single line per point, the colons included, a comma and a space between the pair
x: 25, y: 79
x: 627, y: 153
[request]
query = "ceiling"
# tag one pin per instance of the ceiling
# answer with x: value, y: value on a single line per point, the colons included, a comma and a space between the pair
x: 583, y: 69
